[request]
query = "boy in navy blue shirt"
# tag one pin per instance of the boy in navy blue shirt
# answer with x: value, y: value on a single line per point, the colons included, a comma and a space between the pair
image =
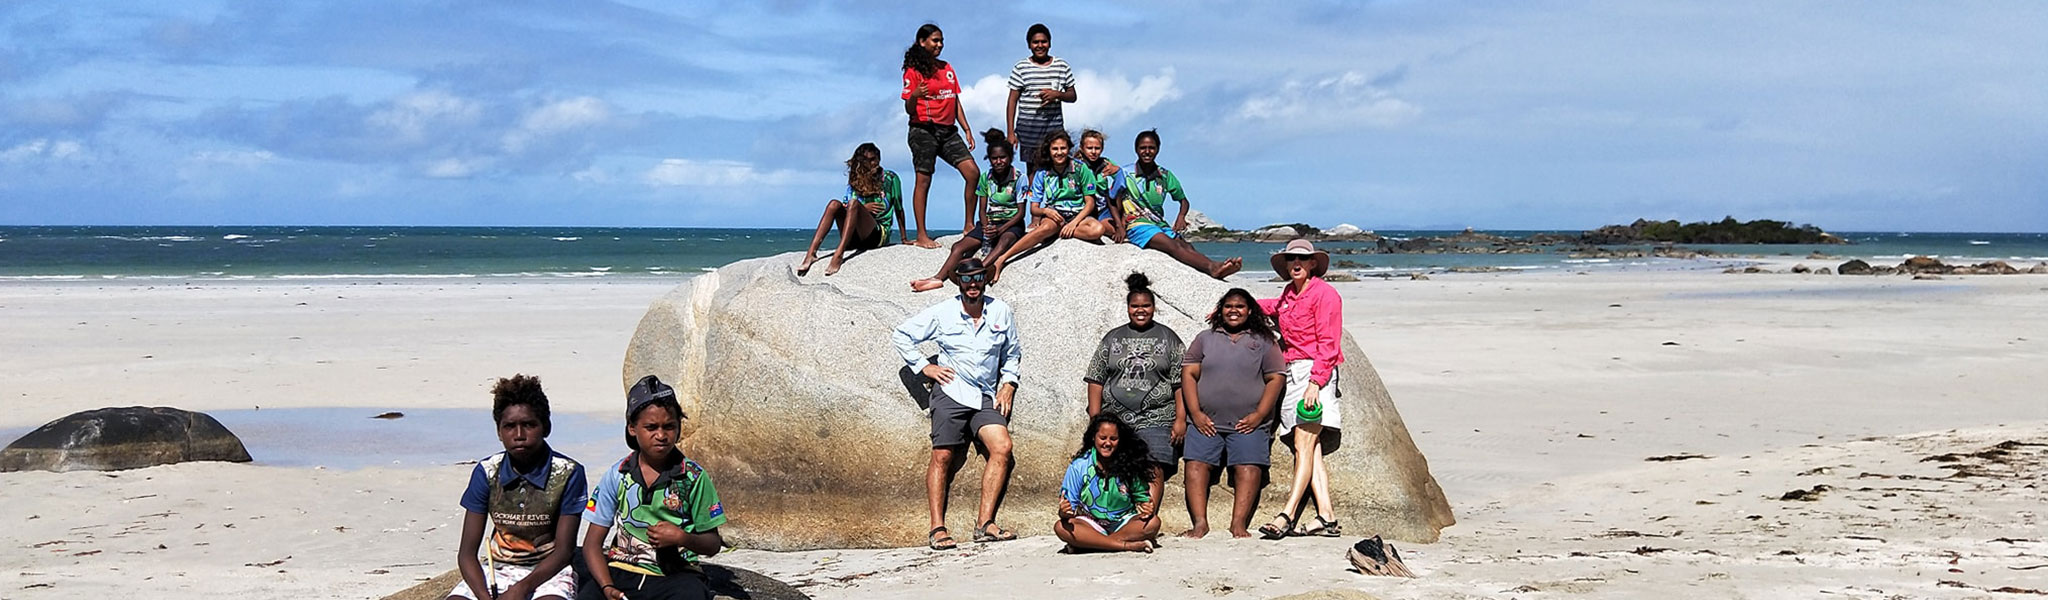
x: 533, y: 498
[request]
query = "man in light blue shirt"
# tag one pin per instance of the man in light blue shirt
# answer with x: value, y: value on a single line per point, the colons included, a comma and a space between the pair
x: 975, y: 377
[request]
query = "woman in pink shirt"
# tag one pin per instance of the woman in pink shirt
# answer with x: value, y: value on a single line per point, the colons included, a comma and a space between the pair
x: 1311, y: 319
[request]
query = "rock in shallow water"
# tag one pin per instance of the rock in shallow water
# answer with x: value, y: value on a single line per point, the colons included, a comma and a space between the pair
x: 110, y: 439
x: 798, y: 411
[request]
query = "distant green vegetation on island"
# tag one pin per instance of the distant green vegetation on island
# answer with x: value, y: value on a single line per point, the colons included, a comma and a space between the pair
x: 1726, y: 231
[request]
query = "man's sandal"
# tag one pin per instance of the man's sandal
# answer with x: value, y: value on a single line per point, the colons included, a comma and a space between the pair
x: 940, y: 539
x: 982, y: 535
x: 1282, y: 525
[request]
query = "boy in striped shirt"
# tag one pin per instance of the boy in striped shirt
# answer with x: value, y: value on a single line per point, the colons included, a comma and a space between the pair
x: 1039, y: 85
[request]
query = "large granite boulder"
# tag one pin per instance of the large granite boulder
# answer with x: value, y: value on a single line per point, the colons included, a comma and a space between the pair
x: 799, y: 410
x: 110, y: 439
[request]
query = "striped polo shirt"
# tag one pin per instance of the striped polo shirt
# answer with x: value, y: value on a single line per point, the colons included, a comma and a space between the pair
x: 1029, y: 77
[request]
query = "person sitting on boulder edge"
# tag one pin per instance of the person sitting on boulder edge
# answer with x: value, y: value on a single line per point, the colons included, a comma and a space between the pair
x: 1143, y: 208
x: 873, y: 201
x: 530, y: 495
x: 662, y: 505
x: 1104, y: 499
x: 1135, y: 374
x: 1065, y: 197
x: 1002, y: 220
x: 975, y: 376
x: 1109, y: 180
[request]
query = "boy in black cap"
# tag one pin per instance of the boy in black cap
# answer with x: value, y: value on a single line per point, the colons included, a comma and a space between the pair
x: 662, y: 504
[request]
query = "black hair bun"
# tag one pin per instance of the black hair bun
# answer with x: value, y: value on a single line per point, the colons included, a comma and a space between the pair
x: 1138, y: 282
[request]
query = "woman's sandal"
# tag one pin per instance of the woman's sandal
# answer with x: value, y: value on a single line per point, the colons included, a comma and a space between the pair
x: 1320, y: 527
x: 940, y: 539
x: 982, y: 536
x: 1281, y: 526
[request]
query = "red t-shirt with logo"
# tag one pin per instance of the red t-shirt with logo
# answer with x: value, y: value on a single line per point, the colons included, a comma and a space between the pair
x: 942, y: 95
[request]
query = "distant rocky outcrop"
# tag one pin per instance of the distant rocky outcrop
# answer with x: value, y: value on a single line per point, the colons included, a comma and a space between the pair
x: 798, y: 405
x: 1925, y: 265
x: 111, y: 439
x: 1725, y: 231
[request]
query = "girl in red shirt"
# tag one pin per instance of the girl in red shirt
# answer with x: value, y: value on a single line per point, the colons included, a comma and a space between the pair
x: 931, y: 96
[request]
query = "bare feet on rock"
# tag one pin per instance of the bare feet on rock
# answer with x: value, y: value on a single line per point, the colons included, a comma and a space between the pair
x: 927, y: 284
x: 925, y: 241
x: 832, y: 268
x: 804, y: 268
x: 1226, y: 268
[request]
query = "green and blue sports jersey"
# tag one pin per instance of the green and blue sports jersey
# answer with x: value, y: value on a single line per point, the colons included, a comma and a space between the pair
x: 1066, y: 192
x: 1003, y: 201
x: 682, y: 496
x: 1101, y: 497
x: 1145, y: 197
x: 891, y: 201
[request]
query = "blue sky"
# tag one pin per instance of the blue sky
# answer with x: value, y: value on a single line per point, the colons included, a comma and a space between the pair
x: 1399, y: 114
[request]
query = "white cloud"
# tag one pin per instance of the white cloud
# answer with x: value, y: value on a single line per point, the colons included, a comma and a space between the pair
x: 674, y: 172
x: 564, y: 116
x: 454, y: 168
x: 235, y: 158
x: 1107, y: 102
x: 25, y: 151
x: 66, y: 150
x: 412, y: 116
x: 1343, y: 100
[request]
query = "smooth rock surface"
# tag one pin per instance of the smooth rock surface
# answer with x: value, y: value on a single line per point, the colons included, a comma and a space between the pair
x: 110, y: 439
x: 1197, y: 220
x: 798, y: 410
x: 1343, y: 229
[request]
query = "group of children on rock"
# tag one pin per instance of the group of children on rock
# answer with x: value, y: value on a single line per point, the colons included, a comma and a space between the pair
x: 1216, y: 404
x: 1067, y: 189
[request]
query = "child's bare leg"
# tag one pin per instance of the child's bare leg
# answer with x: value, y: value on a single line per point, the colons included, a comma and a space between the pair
x: 833, y: 212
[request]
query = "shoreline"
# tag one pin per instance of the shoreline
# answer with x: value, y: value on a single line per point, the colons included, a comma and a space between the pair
x: 1531, y: 394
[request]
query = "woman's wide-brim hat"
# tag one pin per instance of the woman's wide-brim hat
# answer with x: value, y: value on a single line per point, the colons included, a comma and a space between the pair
x: 1301, y: 248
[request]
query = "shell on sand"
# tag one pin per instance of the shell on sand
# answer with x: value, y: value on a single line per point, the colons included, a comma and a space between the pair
x: 797, y: 409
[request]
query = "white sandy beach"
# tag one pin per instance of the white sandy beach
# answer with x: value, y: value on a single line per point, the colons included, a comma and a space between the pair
x: 1536, y: 398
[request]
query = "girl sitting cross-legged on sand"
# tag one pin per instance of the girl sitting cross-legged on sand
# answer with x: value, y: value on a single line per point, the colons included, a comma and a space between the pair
x: 1105, y: 503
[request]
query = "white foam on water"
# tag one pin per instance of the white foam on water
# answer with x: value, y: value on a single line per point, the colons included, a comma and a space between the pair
x: 567, y: 239
x: 380, y: 276
x: 600, y: 269
x: 1979, y: 243
x: 234, y: 236
x: 1587, y: 261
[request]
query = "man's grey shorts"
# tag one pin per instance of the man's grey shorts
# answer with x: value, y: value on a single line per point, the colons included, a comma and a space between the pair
x: 955, y: 425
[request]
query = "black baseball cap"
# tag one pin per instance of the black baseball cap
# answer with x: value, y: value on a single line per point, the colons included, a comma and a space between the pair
x: 647, y: 389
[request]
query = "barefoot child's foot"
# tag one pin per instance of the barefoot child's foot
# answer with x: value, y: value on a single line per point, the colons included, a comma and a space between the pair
x: 832, y: 268
x: 1227, y: 268
x: 925, y: 241
x: 927, y: 284
x: 804, y: 267
x: 1196, y: 533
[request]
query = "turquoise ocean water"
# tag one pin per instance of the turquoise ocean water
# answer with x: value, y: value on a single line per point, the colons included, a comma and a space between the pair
x: 288, y: 253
